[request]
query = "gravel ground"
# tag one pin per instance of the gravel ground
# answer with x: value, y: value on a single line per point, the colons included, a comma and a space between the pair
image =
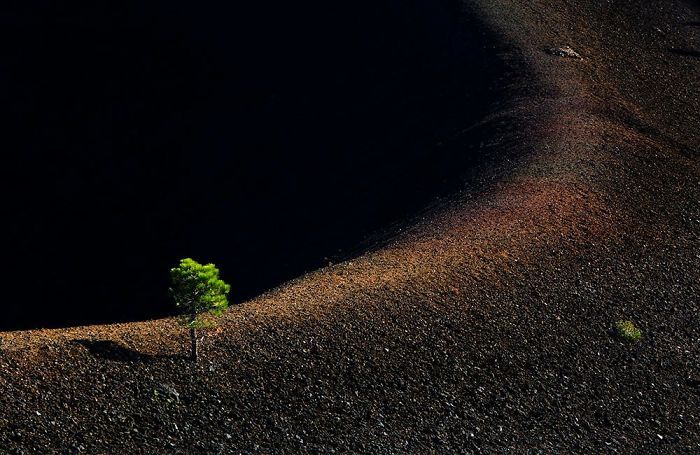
x: 487, y: 325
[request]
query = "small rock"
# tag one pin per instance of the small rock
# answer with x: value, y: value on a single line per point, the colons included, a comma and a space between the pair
x: 566, y: 52
x: 169, y: 391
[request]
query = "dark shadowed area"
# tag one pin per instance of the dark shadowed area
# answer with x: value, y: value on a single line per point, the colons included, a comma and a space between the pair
x: 264, y: 138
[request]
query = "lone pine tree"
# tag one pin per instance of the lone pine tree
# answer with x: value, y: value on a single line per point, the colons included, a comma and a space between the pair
x: 200, y: 296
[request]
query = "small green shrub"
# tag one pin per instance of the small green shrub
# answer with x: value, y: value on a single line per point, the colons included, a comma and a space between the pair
x: 200, y: 296
x: 627, y: 331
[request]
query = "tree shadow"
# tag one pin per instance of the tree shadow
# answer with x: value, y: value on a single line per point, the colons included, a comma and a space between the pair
x: 685, y: 52
x: 110, y: 350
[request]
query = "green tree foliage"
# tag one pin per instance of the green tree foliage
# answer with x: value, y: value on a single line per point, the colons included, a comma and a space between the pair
x: 199, y: 294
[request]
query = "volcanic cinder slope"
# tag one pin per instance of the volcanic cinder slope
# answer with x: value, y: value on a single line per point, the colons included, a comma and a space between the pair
x: 483, y: 326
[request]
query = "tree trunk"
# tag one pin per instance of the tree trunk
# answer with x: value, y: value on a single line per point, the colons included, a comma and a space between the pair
x: 193, y: 338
